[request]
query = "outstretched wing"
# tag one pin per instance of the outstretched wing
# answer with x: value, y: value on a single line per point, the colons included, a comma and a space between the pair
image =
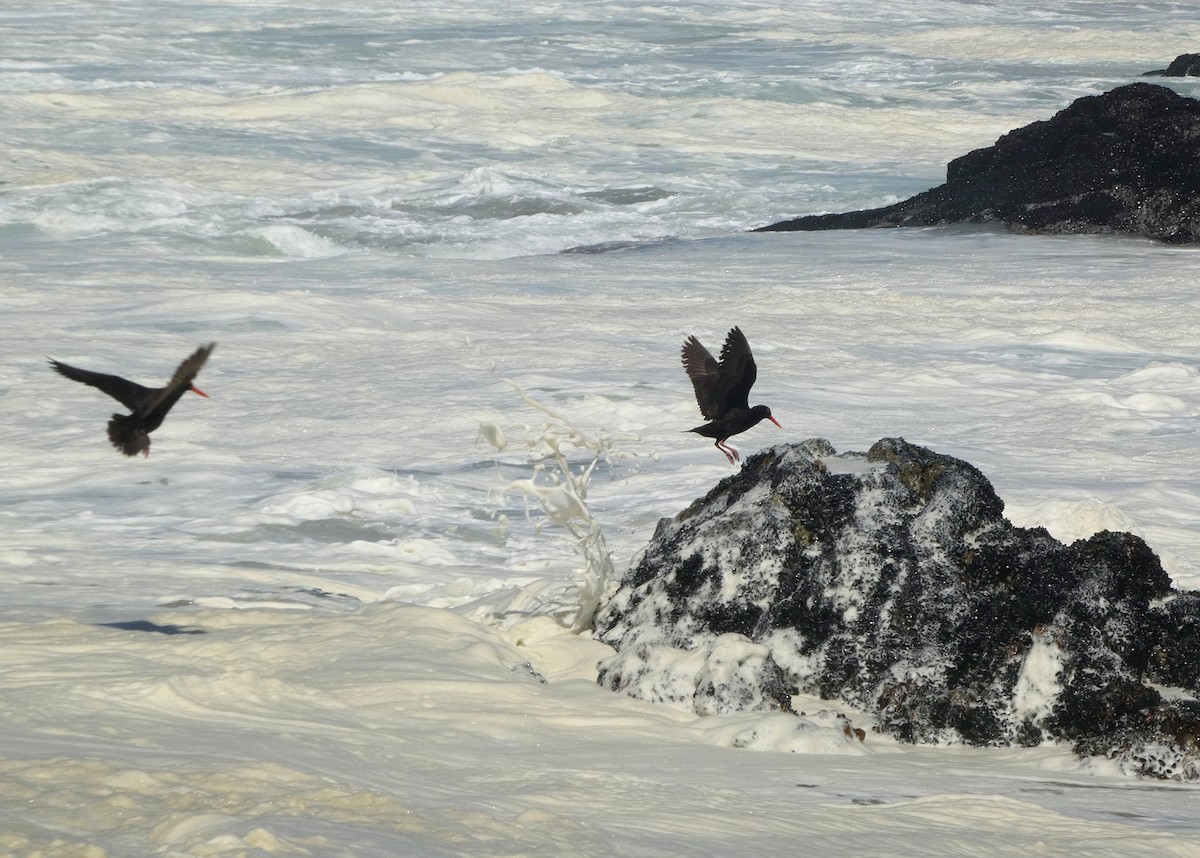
x: 179, y: 384
x: 704, y: 371
x: 130, y: 394
x: 738, y: 371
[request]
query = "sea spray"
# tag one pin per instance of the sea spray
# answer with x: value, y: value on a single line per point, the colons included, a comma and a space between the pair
x: 559, y: 490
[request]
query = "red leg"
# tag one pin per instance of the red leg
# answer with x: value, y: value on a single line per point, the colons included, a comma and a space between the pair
x: 730, y: 453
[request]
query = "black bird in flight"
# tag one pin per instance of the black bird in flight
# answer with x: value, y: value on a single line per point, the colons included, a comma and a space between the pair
x: 130, y: 433
x: 723, y: 389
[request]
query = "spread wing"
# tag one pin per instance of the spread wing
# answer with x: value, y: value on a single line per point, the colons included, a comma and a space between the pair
x: 180, y: 382
x: 130, y: 394
x: 721, y: 387
x: 704, y: 371
x: 738, y: 371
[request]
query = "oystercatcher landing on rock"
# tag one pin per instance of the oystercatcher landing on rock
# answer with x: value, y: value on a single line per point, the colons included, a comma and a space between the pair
x: 130, y: 433
x: 723, y: 389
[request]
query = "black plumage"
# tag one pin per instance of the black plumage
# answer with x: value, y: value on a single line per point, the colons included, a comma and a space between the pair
x: 723, y: 389
x: 130, y: 433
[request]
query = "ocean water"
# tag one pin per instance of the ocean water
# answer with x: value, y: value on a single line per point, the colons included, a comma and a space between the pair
x: 446, y: 252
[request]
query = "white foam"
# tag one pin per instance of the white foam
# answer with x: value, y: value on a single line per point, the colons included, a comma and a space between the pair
x: 1069, y: 520
x: 1038, y: 686
x: 850, y: 465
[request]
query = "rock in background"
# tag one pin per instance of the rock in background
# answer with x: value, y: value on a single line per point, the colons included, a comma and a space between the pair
x: 892, y: 581
x: 1125, y: 162
x: 1184, y: 65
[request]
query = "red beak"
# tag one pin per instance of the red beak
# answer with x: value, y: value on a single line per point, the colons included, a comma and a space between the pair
x: 773, y: 420
x: 199, y: 391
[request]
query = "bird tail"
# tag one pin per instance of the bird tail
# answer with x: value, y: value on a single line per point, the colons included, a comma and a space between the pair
x: 127, y: 435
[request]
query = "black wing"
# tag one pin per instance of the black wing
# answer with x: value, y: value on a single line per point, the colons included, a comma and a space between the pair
x: 738, y: 371
x: 130, y: 394
x: 704, y: 371
x: 179, y: 384
x: 721, y: 387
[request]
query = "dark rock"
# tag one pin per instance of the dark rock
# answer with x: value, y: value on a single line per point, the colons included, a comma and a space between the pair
x: 1184, y: 65
x: 892, y: 581
x: 1125, y: 162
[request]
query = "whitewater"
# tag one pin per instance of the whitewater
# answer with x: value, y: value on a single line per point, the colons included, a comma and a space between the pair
x: 446, y: 251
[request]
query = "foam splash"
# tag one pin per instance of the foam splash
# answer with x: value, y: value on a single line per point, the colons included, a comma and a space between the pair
x: 559, y: 490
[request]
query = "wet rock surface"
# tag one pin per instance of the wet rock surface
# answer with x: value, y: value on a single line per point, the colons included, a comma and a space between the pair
x: 891, y: 580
